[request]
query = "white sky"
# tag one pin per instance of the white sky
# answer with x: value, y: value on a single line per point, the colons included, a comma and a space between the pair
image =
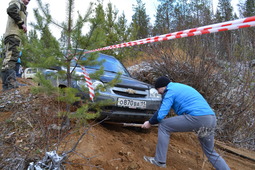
x: 58, y: 10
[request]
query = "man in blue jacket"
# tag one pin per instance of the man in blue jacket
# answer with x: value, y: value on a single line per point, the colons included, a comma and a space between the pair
x: 194, y: 114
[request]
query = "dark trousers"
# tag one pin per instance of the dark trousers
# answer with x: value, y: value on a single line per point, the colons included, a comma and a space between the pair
x: 11, y: 42
x: 204, y: 125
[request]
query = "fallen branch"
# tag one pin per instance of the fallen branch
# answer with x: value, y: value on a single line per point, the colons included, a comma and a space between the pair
x: 245, y: 154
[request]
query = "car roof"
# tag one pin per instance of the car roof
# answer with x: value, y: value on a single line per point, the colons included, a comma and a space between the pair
x: 101, y: 54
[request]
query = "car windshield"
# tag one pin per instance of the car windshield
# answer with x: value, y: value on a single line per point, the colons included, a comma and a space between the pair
x: 110, y: 64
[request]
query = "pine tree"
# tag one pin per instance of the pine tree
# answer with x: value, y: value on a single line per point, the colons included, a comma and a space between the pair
x: 178, y: 15
x: 249, y: 8
x: 248, y: 42
x: 140, y: 27
x: 41, y: 51
x: 224, y: 39
x: 111, y: 28
x: 44, y: 51
x: 200, y: 14
x: 164, y: 17
x: 97, y: 33
x: 250, y: 32
x: 140, y: 21
x: 123, y: 33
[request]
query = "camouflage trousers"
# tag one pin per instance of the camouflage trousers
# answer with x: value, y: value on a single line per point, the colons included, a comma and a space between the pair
x: 9, y: 80
x: 12, y: 43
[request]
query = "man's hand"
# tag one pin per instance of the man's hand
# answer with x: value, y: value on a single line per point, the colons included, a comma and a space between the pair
x: 24, y: 28
x: 146, y: 125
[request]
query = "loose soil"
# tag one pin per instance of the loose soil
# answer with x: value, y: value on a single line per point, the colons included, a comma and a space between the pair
x: 107, y: 146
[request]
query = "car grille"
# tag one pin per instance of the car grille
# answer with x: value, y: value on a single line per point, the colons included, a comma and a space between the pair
x: 128, y: 92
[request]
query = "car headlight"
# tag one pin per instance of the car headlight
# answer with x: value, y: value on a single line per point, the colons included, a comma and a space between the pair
x: 81, y: 83
x: 154, y: 93
x: 97, y: 84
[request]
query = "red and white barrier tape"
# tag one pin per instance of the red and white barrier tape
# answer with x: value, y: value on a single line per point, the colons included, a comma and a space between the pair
x: 224, y: 26
x: 88, y: 82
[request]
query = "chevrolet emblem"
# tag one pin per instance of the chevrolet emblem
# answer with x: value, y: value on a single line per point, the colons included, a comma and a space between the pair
x: 130, y: 91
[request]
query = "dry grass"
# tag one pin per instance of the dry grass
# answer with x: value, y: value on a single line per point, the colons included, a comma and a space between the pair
x: 228, y: 86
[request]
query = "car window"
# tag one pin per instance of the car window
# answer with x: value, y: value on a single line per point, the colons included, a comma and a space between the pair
x: 110, y: 64
x: 31, y: 71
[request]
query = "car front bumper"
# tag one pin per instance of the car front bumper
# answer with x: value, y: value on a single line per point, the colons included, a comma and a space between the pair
x: 125, y: 114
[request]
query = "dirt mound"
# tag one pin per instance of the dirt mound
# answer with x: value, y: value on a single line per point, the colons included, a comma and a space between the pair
x: 104, y: 146
x: 112, y: 147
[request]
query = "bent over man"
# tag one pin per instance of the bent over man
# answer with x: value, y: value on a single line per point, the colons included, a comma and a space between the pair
x: 194, y: 115
x: 16, y: 25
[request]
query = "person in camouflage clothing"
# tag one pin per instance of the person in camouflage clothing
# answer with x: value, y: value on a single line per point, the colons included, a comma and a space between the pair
x: 16, y: 25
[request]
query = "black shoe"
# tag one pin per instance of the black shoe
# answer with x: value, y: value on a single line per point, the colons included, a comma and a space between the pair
x: 153, y: 161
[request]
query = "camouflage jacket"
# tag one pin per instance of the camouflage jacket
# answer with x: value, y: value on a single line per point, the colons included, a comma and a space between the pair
x: 17, y: 16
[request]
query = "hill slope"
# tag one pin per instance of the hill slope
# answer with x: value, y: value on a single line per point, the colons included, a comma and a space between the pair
x: 104, y: 146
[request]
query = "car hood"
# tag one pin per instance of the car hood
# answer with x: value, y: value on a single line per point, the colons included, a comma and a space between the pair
x: 126, y: 81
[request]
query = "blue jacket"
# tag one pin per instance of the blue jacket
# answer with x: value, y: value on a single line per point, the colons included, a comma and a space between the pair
x: 183, y: 99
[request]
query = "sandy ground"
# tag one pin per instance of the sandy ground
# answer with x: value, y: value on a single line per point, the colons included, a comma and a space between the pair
x: 111, y: 147
x: 123, y: 148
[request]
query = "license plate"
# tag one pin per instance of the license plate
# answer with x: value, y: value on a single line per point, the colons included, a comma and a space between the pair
x: 131, y: 103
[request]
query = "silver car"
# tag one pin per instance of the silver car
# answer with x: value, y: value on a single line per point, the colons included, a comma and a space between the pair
x: 133, y: 100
